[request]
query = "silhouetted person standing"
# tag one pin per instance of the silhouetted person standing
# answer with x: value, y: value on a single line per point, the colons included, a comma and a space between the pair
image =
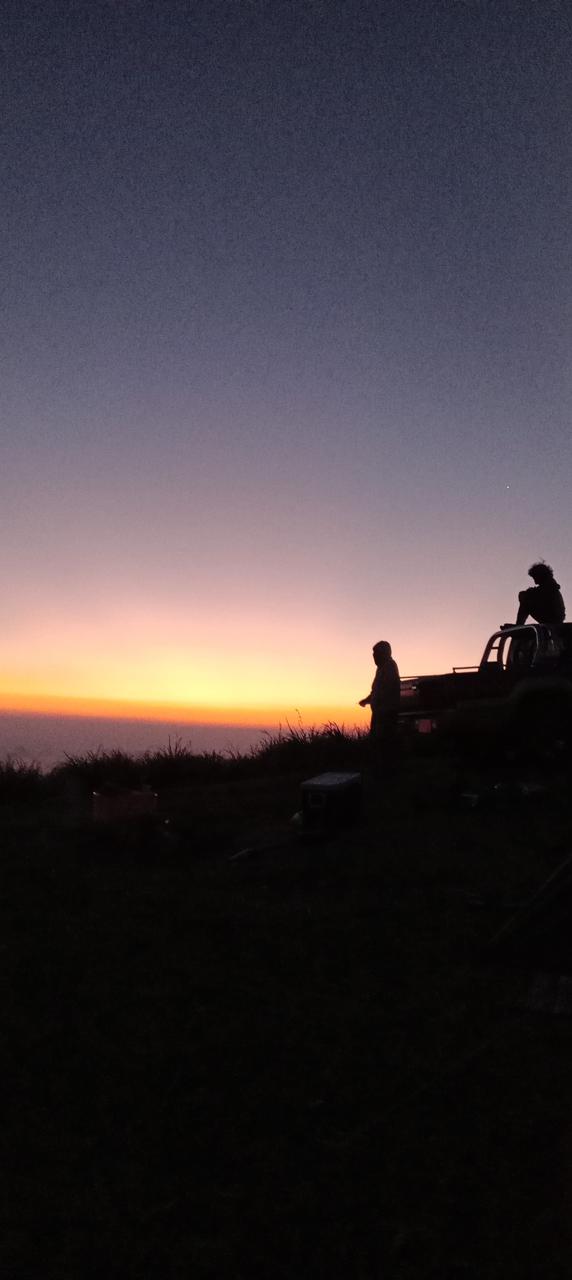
x: 384, y: 699
x: 543, y: 602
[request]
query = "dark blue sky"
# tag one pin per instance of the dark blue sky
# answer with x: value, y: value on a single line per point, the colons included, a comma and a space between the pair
x: 287, y: 304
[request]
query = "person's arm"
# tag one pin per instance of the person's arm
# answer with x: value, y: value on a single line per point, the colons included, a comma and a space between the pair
x: 523, y: 608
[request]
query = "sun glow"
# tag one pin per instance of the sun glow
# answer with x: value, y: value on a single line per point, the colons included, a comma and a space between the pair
x: 246, y: 675
x: 249, y: 716
x: 256, y: 668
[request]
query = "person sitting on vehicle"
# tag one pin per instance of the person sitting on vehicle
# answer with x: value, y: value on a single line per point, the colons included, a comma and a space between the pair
x: 543, y: 602
x: 384, y: 696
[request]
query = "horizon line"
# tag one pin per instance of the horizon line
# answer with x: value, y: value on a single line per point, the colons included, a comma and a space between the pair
x: 125, y: 709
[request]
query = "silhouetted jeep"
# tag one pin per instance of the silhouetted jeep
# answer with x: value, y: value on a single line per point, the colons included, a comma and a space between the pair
x: 521, y: 691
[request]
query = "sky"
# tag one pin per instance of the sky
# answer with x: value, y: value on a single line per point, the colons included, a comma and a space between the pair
x: 285, y: 344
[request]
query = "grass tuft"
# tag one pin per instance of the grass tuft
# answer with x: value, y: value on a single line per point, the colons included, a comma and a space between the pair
x: 20, y: 782
x: 293, y: 749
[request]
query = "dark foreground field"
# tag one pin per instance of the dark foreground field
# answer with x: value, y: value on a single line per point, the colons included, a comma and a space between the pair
x: 302, y: 1062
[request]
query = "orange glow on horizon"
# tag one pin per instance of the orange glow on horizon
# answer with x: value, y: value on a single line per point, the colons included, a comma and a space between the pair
x: 115, y: 709
x: 264, y: 670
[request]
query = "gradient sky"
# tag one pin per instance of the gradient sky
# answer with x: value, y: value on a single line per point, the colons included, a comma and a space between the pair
x: 286, y: 342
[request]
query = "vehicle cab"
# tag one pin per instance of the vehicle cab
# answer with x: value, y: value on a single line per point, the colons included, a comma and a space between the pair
x: 518, y: 650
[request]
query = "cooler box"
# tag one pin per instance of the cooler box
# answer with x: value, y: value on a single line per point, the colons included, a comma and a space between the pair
x: 331, y: 799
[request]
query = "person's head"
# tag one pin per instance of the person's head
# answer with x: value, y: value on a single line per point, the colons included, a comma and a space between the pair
x: 540, y: 573
x: 381, y: 652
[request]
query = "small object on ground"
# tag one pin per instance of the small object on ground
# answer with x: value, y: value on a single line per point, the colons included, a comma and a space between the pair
x: 549, y: 993
x: 169, y: 837
x: 532, y: 790
x: 114, y: 806
x: 513, y: 791
x: 331, y: 800
x: 265, y: 846
x: 248, y: 852
x: 502, y: 793
x: 469, y: 799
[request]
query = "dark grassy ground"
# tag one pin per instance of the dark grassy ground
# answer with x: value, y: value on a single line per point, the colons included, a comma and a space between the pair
x: 302, y: 1062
